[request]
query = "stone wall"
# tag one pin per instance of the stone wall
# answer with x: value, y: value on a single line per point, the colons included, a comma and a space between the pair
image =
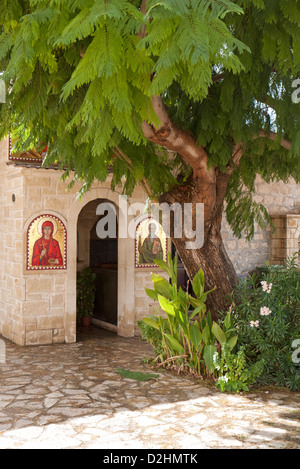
x: 39, y: 307
x: 280, y: 199
x: 285, y: 241
x: 12, y: 283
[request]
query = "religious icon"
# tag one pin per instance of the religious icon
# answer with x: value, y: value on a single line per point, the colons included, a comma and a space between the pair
x: 46, y: 243
x: 151, y: 243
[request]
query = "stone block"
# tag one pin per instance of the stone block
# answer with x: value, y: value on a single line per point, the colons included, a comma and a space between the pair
x: 38, y: 337
x: 292, y: 222
x: 36, y: 308
x: 139, y: 282
x: 140, y: 302
x: 57, y: 299
x: 50, y: 322
x: 230, y: 245
x: 39, y: 284
x: 58, y: 336
x: 38, y: 180
x: 30, y: 327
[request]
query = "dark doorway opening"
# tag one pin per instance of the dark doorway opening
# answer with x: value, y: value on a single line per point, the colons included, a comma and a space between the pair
x: 101, y: 255
x: 104, y: 263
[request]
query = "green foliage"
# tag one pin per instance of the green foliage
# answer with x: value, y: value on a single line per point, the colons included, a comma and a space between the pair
x: 136, y: 375
x: 234, y: 374
x: 85, y: 292
x: 186, y: 335
x: 81, y: 76
x: 153, y: 336
x: 267, y: 315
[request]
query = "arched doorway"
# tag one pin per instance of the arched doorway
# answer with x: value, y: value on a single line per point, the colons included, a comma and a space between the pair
x: 101, y: 255
x: 126, y: 267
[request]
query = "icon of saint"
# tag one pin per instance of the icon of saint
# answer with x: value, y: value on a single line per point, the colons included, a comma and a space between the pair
x: 151, y: 247
x: 46, y: 250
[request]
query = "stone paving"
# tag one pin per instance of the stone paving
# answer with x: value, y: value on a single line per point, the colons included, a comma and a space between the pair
x: 70, y: 396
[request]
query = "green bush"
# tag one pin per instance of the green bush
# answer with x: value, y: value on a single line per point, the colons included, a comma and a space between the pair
x: 85, y: 293
x: 186, y: 336
x: 153, y: 337
x: 234, y: 374
x: 267, y: 315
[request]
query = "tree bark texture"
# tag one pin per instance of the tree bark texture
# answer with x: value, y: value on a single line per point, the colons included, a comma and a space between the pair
x: 212, y: 257
x: 207, y: 186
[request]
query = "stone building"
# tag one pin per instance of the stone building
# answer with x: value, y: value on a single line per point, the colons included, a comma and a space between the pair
x: 38, y: 299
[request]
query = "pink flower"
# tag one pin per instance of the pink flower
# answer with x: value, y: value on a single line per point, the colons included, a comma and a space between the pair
x: 266, y: 286
x: 265, y: 311
x: 254, y: 323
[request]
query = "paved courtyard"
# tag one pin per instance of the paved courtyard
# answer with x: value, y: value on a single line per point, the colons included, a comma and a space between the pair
x: 70, y: 396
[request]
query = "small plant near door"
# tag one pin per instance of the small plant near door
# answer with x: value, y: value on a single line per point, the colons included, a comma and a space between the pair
x: 85, y: 295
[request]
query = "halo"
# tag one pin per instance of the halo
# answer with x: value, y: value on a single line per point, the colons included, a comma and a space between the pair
x: 148, y: 222
x: 42, y: 220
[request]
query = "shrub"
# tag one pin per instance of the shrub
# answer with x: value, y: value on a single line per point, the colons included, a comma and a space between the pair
x: 185, y: 334
x: 85, y: 293
x: 187, y: 338
x: 267, y: 315
x: 234, y: 374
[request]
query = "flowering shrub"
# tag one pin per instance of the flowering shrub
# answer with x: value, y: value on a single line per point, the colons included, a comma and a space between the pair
x: 267, y: 316
x: 234, y: 373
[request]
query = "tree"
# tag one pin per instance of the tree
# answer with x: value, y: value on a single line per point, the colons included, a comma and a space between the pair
x: 116, y: 83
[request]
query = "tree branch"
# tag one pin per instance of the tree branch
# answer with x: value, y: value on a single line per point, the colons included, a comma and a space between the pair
x: 218, y: 77
x: 178, y: 140
x: 238, y: 151
x: 143, y: 7
x: 273, y: 136
x: 143, y: 32
x: 239, y: 148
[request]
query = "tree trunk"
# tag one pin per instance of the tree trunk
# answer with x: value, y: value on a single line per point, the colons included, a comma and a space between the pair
x: 212, y: 257
x: 207, y: 185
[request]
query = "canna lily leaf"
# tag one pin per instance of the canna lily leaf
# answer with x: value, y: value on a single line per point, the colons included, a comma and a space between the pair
x: 174, y: 344
x: 198, y: 283
x: 232, y: 342
x: 151, y: 293
x: 206, y: 334
x: 208, y: 355
x: 166, y: 305
x: 218, y: 333
x: 150, y: 322
x: 162, y: 286
x: 196, y: 336
x: 164, y: 266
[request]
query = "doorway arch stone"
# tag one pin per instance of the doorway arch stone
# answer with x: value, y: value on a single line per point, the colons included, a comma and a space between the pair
x: 126, y: 286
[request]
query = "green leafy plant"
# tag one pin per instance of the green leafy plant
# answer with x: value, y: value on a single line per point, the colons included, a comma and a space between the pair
x: 186, y: 334
x: 267, y: 314
x: 234, y: 374
x: 85, y: 293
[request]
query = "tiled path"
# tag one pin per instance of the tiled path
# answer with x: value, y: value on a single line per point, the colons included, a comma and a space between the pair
x: 70, y: 396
